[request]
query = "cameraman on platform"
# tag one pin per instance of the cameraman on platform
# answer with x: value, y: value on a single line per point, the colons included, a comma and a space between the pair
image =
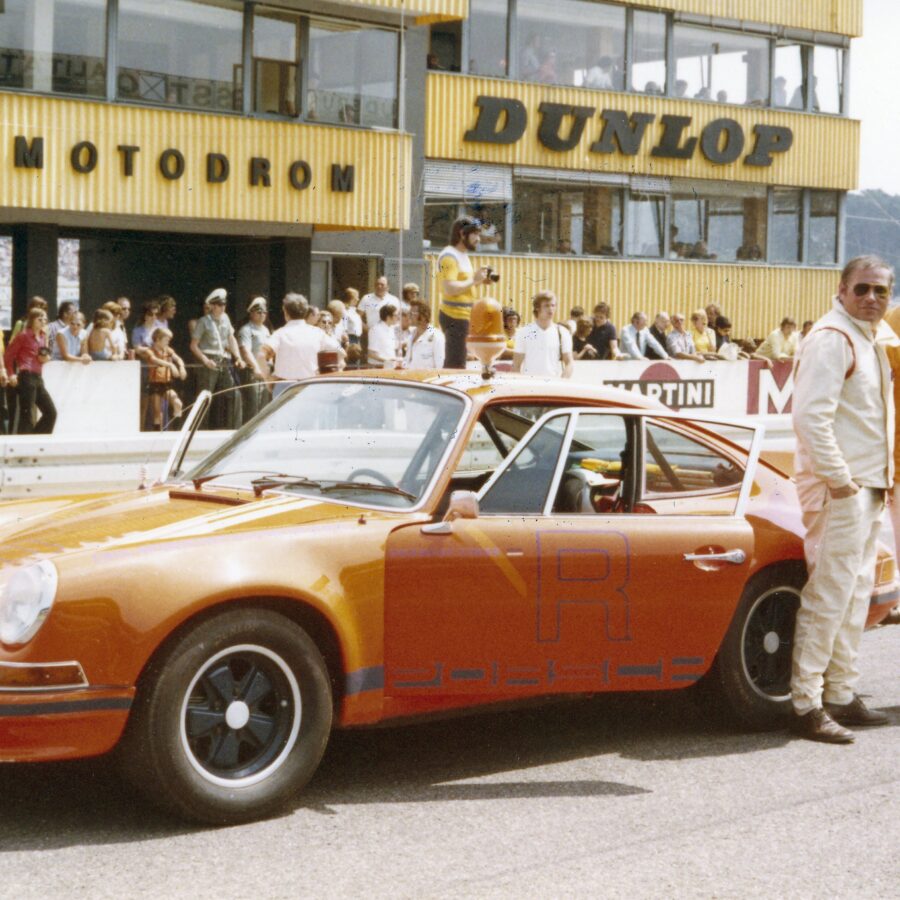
x: 458, y: 283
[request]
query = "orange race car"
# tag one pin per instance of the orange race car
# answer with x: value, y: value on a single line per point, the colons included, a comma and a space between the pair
x: 375, y: 547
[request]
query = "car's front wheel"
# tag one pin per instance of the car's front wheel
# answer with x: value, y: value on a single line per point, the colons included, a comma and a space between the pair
x: 752, y: 672
x: 232, y: 720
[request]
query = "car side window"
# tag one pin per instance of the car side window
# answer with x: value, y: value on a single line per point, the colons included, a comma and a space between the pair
x: 595, y: 468
x: 497, y: 431
x: 523, y: 487
x: 676, y: 464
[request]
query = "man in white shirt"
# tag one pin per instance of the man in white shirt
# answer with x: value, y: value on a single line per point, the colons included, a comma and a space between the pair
x: 636, y: 338
x: 370, y: 305
x: 543, y: 347
x: 781, y: 345
x: 383, y: 339
x: 294, y: 348
x: 844, y: 419
x: 600, y: 75
x: 426, y: 345
x: 679, y: 342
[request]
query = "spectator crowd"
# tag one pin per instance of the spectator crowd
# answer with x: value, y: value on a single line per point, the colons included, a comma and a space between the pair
x: 247, y: 365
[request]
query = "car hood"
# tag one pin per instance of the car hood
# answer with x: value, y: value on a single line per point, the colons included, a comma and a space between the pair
x: 29, y: 532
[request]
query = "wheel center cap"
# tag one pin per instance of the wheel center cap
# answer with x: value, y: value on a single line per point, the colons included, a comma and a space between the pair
x: 237, y: 715
x: 771, y: 642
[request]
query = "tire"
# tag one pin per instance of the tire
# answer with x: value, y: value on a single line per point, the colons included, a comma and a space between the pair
x: 232, y: 720
x: 752, y: 671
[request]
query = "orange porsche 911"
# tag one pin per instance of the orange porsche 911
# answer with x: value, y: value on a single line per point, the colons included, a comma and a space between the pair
x: 377, y: 547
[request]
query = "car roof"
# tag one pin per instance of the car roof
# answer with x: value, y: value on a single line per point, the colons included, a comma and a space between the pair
x: 517, y: 386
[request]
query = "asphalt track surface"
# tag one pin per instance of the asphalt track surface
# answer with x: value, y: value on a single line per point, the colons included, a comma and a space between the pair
x: 628, y: 796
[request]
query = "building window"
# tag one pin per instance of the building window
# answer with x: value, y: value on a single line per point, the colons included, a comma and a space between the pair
x: 276, y: 63
x: 445, y: 48
x: 823, y: 219
x: 723, y: 66
x: 646, y: 223
x: 487, y: 37
x: 68, y: 271
x: 713, y: 222
x: 648, y: 67
x: 439, y: 218
x: 353, y: 75
x: 582, y: 43
x: 573, y: 220
x: 828, y: 79
x: 787, y: 217
x: 57, y: 46
x: 706, y: 220
x: 790, y: 77
x: 572, y: 42
x: 179, y: 53
x: 6, y: 253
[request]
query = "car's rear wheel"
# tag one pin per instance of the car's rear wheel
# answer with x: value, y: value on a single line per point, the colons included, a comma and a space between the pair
x: 752, y: 672
x: 232, y: 720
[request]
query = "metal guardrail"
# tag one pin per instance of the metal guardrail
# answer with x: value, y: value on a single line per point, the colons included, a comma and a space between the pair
x: 47, y: 465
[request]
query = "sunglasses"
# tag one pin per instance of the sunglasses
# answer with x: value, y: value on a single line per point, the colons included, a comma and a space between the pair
x: 862, y: 289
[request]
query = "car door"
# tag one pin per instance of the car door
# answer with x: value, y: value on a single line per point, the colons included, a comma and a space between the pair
x: 567, y: 580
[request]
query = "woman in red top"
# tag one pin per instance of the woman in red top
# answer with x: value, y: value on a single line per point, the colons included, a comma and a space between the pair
x: 24, y: 360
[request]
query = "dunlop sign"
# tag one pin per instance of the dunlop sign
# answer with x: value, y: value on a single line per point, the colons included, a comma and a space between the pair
x: 560, y: 127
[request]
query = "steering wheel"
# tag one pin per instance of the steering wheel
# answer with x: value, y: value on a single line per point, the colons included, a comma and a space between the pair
x: 372, y: 473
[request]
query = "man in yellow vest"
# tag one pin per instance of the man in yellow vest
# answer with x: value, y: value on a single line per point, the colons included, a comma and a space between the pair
x: 458, y: 282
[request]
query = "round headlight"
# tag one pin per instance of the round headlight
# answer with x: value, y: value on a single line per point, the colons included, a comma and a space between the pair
x: 25, y: 600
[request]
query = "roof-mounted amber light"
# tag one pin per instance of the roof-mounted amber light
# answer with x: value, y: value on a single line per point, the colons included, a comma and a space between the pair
x: 486, y: 337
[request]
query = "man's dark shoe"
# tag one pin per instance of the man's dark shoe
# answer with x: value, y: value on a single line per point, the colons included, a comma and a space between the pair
x: 893, y: 617
x: 856, y: 713
x: 817, y: 725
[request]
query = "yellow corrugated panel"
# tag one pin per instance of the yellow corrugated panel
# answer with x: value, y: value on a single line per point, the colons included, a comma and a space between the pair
x: 835, y: 16
x: 824, y: 154
x: 755, y: 298
x: 423, y: 11
x: 381, y: 160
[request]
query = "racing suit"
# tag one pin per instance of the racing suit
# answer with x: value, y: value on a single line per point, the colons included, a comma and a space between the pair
x: 844, y: 421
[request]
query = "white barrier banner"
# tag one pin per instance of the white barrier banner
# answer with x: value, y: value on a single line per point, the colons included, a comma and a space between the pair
x: 100, y: 398
x: 103, y: 398
x: 720, y: 387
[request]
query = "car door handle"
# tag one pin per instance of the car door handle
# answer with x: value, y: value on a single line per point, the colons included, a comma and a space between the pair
x: 730, y: 556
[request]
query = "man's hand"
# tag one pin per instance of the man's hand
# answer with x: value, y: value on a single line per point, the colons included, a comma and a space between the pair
x: 480, y: 276
x: 847, y: 490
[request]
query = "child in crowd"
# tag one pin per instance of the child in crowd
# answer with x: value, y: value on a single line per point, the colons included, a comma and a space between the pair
x: 165, y: 365
x: 100, y: 344
x: 70, y: 340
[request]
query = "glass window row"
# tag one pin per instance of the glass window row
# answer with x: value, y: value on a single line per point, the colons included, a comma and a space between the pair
x: 693, y: 220
x: 181, y: 53
x: 611, y: 47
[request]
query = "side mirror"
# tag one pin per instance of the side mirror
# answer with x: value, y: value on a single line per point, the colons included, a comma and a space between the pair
x: 463, y: 505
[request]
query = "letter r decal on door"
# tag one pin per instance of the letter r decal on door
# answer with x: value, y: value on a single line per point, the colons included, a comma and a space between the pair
x: 584, y: 568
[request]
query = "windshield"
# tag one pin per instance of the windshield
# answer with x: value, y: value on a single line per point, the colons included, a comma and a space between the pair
x: 375, y: 444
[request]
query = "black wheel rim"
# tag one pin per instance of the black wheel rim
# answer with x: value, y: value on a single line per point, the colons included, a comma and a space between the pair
x: 767, y: 642
x: 239, y: 714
